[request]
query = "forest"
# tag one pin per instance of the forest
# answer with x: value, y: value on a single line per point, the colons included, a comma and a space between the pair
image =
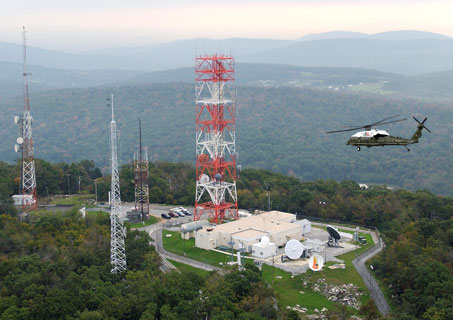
x: 415, y: 269
x: 58, y: 267
x: 282, y: 129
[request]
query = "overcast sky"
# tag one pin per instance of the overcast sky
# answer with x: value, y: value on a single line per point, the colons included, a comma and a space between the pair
x: 77, y: 25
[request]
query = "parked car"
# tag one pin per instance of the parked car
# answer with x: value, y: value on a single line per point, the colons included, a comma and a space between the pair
x: 172, y: 214
x: 179, y: 213
x: 185, y: 211
x: 165, y: 216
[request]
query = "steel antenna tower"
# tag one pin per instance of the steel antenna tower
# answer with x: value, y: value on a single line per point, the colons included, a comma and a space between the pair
x: 117, y: 230
x: 25, y: 142
x: 215, y: 138
x: 141, y: 177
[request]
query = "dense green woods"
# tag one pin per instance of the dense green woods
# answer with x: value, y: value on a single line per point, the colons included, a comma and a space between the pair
x: 415, y: 268
x: 278, y: 128
x: 58, y: 267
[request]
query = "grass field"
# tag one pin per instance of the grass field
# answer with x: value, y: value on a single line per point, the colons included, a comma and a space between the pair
x: 179, y: 246
x: 186, y: 268
x: 73, y: 200
x: 151, y: 220
x: 288, y: 289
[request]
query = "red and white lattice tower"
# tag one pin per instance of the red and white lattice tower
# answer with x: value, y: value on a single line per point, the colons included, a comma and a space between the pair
x: 216, y: 195
x: 25, y: 142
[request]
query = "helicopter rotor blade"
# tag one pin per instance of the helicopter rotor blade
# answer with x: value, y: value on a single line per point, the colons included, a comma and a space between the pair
x: 368, y: 126
x: 392, y: 121
x: 422, y: 123
x: 343, y: 130
x: 380, y: 122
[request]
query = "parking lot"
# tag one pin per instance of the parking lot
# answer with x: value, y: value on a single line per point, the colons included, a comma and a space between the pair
x: 157, y: 210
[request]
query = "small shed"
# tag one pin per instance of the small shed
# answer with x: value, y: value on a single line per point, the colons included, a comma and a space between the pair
x: 264, y: 248
x: 306, y: 225
x: 20, y: 199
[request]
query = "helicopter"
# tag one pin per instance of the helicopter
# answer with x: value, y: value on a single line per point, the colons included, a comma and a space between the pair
x: 372, y: 137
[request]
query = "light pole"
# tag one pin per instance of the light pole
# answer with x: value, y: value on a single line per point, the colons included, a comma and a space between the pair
x: 268, y: 197
x: 69, y: 186
x: 96, y: 190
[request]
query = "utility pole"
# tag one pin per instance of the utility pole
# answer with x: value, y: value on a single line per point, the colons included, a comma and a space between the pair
x: 80, y: 179
x: 96, y: 190
x: 69, y: 185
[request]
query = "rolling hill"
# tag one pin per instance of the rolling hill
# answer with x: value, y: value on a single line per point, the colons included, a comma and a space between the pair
x: 43, y: 78
x: 278, y: 128
x: 403, y: 52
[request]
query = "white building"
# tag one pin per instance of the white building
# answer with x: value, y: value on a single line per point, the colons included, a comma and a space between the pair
x: 276, y: 225
x: 20, y: 199
x: 306, y: 226
x: 264, y: 249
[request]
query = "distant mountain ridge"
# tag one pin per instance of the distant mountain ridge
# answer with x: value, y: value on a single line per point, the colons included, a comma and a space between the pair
x: 43, y: 78
x: 403, y: 52
x: 388, y: 35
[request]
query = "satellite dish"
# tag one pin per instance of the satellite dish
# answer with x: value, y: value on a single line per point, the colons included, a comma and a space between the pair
x: 16, y: 119
x: 316, y: 262
x: 218, y: 176
x: 294, y: 249
x: 203, y: 158
x: 16, y: 148
x: 204, y: 178
x: 20, y: 140
x: 333, y: 233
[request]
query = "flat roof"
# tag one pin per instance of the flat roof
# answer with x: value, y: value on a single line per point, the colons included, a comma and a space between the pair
x: 266, y: 222
x: 249, y: 234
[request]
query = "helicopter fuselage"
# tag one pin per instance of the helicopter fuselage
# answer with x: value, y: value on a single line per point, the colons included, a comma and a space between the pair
x: 375, y: 138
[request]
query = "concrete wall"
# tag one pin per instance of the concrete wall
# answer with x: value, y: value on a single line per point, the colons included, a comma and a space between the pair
x: 264, y: 251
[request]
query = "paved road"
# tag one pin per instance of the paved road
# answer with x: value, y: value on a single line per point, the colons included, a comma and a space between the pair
x: 155, y: 231
x: 359, y: 264
x: 373, y: 286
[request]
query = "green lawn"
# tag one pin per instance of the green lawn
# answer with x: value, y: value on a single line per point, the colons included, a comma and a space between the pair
x: 151, y: 220
x: 288, y: 290
x: 186, y: 268
x: 73, y: 200
x: 180, y: 246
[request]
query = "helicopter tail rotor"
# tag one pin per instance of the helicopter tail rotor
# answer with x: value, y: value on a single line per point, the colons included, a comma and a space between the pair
x: 422, y: 124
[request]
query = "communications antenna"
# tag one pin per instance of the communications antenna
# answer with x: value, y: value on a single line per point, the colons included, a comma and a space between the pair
x: 117, y: 230
x: 141, y: 177
x: 215, y: 121
x: 27, y: 187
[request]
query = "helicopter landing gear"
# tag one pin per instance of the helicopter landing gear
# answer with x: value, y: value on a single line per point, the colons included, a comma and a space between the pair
x: 407, y: 148
x: 358, y: 148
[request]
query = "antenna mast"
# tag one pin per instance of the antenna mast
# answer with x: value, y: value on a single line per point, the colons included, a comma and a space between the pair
x: 215, y: 138
x: 141, y: 177
x: 117, y: 230
x: 25, y: 142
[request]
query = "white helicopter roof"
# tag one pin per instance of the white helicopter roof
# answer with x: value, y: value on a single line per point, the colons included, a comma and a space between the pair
x: 370, y: 133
